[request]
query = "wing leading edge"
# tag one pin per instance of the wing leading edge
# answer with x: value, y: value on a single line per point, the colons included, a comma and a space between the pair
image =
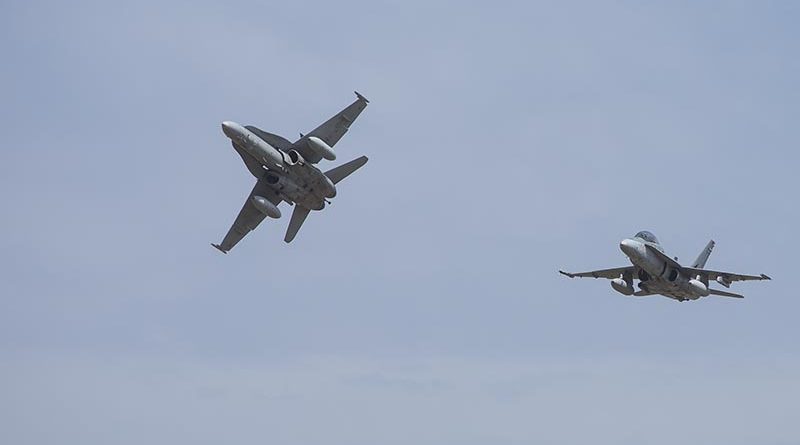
x: 712, y: 275
x: 603, y: 273
x: 331, y: 130
x: 249, y: 217
x: 709, y: 274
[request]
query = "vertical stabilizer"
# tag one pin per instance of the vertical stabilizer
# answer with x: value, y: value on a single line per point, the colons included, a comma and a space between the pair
x: 700, y: 262
x: 298, y: 217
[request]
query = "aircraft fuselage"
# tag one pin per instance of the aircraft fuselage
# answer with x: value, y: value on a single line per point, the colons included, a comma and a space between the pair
x: 657, y: 275
x: 292, y: 178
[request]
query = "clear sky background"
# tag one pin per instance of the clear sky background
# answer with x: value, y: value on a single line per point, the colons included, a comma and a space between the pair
x: 506, y: 141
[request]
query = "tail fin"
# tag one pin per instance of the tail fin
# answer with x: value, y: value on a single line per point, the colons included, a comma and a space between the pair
x: 700, y: 262
x: 338, y: 173
x: 298, y: 218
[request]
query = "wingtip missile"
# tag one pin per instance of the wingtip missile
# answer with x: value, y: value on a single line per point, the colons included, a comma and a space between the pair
x: 361, y: 97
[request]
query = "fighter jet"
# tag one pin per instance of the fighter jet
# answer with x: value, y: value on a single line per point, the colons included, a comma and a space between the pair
x: 660, y: 274
x: 285, y: 171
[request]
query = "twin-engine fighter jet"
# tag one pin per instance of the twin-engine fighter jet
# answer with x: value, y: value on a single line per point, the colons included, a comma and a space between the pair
x: 660, y: 274
x: 285, y: 171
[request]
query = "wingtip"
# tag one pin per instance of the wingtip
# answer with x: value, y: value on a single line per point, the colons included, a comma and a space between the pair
x: 361, y: 97
x: 765, y: 277
x: 566, y: 274
x: 218, y: 247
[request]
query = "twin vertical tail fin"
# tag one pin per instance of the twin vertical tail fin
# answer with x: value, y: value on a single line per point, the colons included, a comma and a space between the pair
x: 700, y: 262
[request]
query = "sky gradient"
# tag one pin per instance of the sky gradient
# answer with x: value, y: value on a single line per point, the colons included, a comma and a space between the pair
x: 506, y: 141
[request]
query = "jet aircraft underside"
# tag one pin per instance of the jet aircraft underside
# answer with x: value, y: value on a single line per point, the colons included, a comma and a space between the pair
x: 286, y: 171
x: 657, y: 273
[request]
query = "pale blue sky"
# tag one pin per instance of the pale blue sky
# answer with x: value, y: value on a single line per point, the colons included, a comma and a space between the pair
x: 424, y: 306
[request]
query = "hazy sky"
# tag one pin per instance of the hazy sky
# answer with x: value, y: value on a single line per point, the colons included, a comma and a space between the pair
x: 506, y: 141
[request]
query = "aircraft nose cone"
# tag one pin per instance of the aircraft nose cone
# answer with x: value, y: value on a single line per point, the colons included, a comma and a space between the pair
x: 229, y: 128
x: 629, y: 247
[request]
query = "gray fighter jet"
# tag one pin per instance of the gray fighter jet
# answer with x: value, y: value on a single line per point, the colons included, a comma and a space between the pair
x: 660, y: 274
x: 285, y: 171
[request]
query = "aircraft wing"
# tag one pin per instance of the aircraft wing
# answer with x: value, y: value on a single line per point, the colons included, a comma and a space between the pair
x: 711, y: 275
x: 726, y: 276
x: 331, y: 130
x: 249, y: 217
x: 604, y: 273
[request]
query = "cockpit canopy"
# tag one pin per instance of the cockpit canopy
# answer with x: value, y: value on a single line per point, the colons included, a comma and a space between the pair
x: 647, y: 236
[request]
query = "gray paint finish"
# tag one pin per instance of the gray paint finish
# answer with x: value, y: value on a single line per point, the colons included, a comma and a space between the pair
x: 659, y: 274
x: 285, y: 172
x: 505, y: 139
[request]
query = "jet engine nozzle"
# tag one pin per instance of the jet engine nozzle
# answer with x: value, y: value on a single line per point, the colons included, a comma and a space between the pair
x: 698, y: 287
x: 622, y: 286
x: 321, y: 148
x: 267, y: 208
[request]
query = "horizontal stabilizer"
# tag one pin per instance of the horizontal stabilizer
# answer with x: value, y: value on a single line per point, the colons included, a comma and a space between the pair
x: 298, y: 218
x: 338, y: 173
x: 722, y: 293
